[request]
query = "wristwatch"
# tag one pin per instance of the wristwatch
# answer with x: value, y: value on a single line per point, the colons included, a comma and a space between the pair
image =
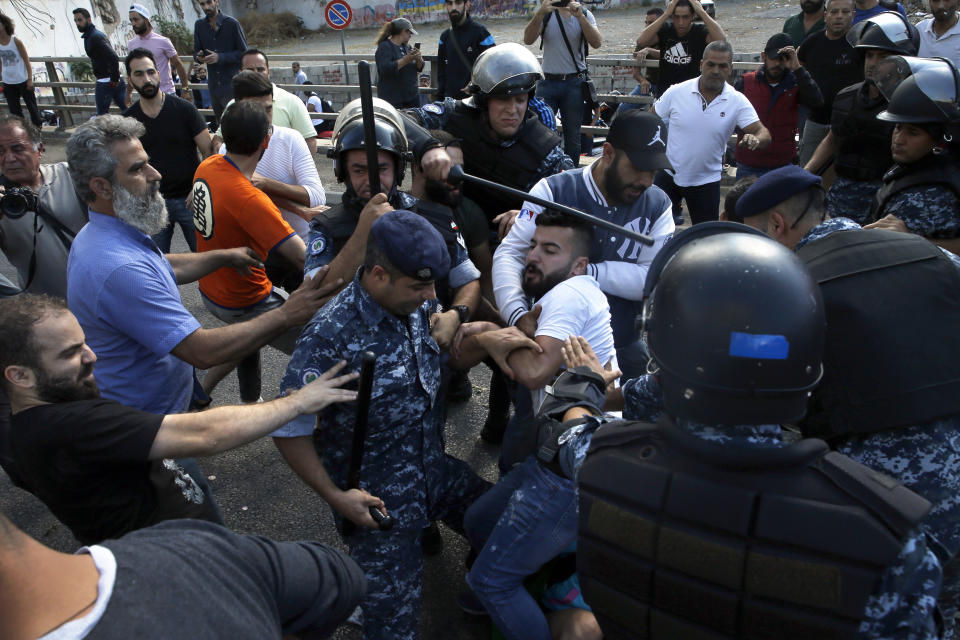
x: 463, y: 311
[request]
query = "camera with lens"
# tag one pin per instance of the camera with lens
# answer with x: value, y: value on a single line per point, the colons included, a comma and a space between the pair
x: 16, y: 201
x: 561, y: 3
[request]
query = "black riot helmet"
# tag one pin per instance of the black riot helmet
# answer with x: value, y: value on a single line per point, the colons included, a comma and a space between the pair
x: 348, y: 135
x: 922, y: 91
x: 735, y: 325
x: 507, y: 69
x: 889, y: 31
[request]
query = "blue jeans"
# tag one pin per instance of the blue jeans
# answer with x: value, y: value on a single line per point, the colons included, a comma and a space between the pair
x: 745, y: 170
x: 104, y: 93
x: 526, y: 519
x: 515, y: 437
x: 627, y: 106
x: 180, y: 216
x: 566, y: 98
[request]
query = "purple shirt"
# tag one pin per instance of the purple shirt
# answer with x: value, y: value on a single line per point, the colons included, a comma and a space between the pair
x: 162, y: 50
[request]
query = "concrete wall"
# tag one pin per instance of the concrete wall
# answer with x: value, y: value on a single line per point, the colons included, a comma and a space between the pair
x: 370, y: 13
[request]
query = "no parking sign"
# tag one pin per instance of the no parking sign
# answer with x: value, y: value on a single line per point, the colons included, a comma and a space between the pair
x: 338, y: 14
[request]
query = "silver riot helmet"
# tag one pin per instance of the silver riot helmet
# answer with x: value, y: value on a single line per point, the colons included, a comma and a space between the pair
x: 889, y: 31
x: 348, y: 134
x: 507, y: 69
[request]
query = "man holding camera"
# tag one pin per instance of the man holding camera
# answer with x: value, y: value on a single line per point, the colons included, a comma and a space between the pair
x: 565, y: 43
x: 40, y: 211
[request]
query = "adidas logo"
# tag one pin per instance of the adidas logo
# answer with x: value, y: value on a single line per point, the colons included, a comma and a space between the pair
x: 677, y: 55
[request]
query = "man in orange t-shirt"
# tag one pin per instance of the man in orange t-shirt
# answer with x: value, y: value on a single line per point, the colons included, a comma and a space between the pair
x: 228, y: 211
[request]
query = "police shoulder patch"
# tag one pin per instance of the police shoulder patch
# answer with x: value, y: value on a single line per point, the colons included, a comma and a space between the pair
x: 309, y: 375
x: 433, y: 108
x: 318, y: 245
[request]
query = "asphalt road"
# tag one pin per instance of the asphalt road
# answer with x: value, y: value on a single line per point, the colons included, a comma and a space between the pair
x: 259, y: 494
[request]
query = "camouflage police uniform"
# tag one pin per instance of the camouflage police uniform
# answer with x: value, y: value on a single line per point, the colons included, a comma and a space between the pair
x: 852, y: 198
x: 905, y: 601
x: 931, y: 211
x: 925, y: 458
x: 404, y: 461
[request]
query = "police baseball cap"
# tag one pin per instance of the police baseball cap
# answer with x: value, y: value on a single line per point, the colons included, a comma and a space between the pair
x: 402, y: 24
x: 642, y: 136
x: 776, y: 42
x: 774, y: 187
x: 412, y: 245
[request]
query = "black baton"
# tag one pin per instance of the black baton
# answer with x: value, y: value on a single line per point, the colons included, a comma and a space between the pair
x: 457, y: 175
x: 369, y: 128
x: 364, y: 391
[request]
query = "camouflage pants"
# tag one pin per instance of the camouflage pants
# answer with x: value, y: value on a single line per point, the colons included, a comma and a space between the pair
x: 926, y: 459
x: 851, y: 198
x: 392, y: 561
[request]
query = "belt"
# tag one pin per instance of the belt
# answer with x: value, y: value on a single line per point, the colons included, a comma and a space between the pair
x: 563, y: 76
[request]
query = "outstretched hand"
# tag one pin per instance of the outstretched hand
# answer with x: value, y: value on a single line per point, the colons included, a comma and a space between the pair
x: 325, y: 390
x: 577, y: 352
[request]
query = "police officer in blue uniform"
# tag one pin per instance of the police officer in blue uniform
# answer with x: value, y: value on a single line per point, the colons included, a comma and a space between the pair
x: 385, y: 309
x: 736, y: 533
x: 890, y: 398
x: 858, y: 143
x: 502, y: 139
x: 921, y: 193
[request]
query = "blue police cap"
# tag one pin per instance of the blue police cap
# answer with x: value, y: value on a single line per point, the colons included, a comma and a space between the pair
x: 774, y: 187
x: 412, y: 244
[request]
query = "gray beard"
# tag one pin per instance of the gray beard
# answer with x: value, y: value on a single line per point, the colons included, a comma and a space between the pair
x: 147, y: 214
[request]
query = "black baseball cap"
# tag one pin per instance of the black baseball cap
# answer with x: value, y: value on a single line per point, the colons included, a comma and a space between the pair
x: 643, y: 137
x: 776, y: 42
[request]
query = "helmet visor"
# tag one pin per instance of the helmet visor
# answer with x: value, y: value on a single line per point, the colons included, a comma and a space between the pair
x: 891, y: 23
x: 892, y: 70
x: 940, y: 84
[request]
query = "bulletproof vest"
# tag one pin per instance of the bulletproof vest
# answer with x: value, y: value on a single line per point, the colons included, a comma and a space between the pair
x: 892, y: 312
x: 931, y: 170
x: 514, y: 165
x: 339, y: 221
x: 863, y: 141
x: 684, y: 538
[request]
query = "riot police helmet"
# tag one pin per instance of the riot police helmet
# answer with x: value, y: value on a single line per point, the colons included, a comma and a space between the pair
x: 735, y: 325
x: 348, y: 135
x: 922, y: 91
x: 889, y: 31
x: 507, y: 69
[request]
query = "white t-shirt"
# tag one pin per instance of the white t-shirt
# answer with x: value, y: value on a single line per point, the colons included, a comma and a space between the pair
x: 577, y: 307
x: 318, y: 106
x: 946, y: 46
x: 288, y: 160
x: 106, y: 565
x: 698, y: 134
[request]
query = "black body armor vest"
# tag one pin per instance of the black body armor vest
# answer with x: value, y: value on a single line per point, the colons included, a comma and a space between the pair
x: 340, y: 221
x: 685, y: 538
x: 863, y: 142
x: 931, y: 170
x: 892, y: 314
x: 485, y: 157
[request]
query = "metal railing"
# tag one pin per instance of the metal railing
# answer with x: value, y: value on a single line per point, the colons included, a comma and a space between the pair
x: 67, y: 108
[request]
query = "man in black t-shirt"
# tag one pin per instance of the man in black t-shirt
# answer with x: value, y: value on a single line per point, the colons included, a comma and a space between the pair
x: 104, y: 469
x: 834, y: 64
x: 681, y: 42
x: 175, y: 133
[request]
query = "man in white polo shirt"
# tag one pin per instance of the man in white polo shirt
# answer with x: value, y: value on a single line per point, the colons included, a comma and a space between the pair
x: 940, y: 35
x: 702, y: 114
